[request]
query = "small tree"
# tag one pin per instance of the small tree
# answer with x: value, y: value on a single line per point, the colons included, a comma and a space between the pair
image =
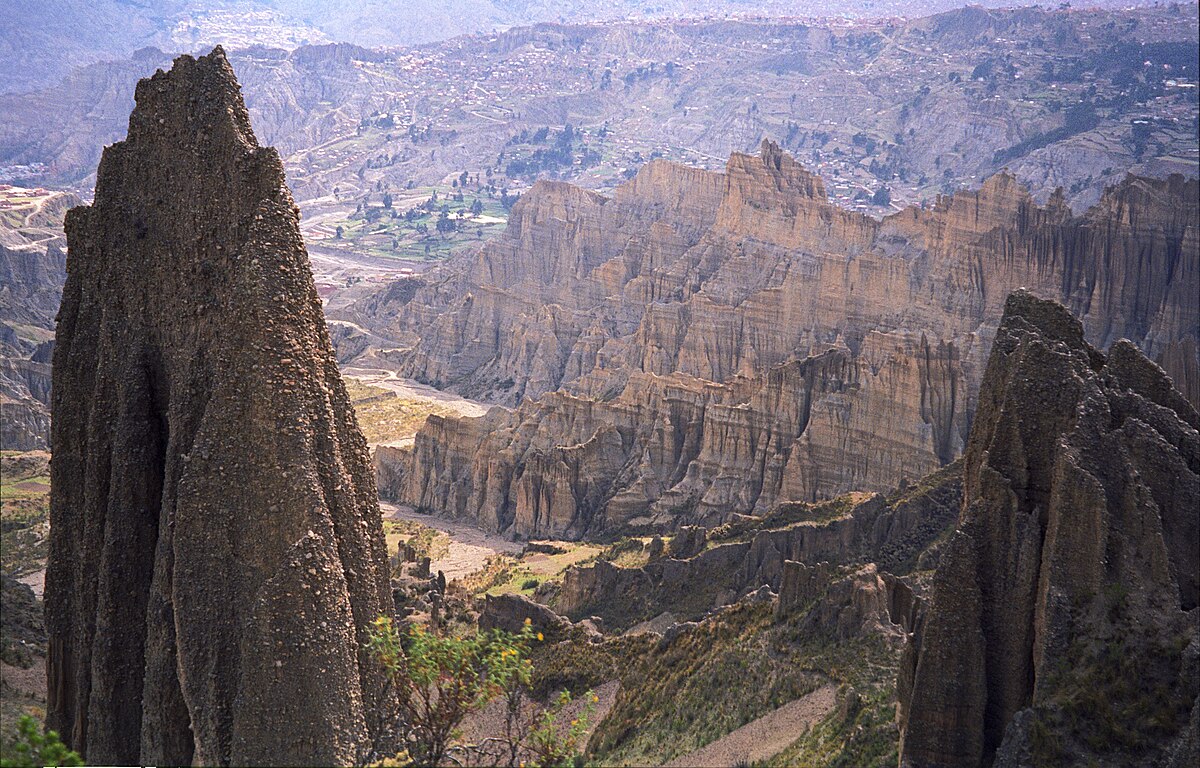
x: 548, y: 748
x: 440, y: 679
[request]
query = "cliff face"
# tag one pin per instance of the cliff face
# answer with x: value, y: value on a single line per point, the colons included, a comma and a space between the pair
x: 1064, y: 612
x: 703, y: 344
x: 216, y: 552
x: 32, y: 270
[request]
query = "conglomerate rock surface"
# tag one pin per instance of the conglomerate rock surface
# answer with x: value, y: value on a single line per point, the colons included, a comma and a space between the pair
x: 703, y: 344
x: 1063, y: 626
x: 216, y: 550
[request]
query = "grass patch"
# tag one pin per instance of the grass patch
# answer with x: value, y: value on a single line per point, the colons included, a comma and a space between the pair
x: 385, y: 417
x: 526, y: 573
x: 626, y: 553
x: 861, y: 735
x: 24, y: 510
x: 1114, y: 693
x: 706, y: 683
x: 425, y: 223
x: 786, y: 515
x: 497, y: 569
x: 428, y: 542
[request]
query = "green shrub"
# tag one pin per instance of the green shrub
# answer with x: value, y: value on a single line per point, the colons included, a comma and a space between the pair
x: 33, y: 749
x: 441, y: 678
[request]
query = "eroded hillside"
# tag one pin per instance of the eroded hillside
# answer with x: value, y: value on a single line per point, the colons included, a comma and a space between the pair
x: 705, y: 344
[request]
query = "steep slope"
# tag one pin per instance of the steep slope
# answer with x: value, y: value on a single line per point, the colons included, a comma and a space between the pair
x: 31, y: 278
x: 32, y: 271
x: 216, y: 552
x: 1064, y: 623
x: 705, y: 344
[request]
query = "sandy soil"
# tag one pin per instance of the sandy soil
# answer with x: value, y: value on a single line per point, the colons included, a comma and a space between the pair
x: 36, y: 582
x: 660, y: 624
x: 765, y: 737
x: 469, y: 547
x: 413, y: 391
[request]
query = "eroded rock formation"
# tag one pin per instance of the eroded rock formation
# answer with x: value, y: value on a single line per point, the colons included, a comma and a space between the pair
x: 216, y: 551
x: 896, y: 532
x: 704, y: 344
x: 1064, y: 620
x: 32, y: 270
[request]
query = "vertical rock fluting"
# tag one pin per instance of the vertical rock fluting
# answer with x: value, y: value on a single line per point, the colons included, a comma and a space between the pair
x: 216, y: 551
x: 702, y: 344
x: 1064, y: 611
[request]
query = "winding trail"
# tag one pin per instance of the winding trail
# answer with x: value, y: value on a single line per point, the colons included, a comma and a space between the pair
x: 765, y: 737
x: 411, y: 390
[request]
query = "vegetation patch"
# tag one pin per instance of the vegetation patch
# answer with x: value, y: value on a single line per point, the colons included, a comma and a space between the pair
x: 531, y: 569
x: 705, y: 683
x: 24, y: 510
x: 627, y: 552
x: 424, y: 541
x: 1115, y: 692
x: 786, y: 515
x: 385, y: 417
x: 422, y: 223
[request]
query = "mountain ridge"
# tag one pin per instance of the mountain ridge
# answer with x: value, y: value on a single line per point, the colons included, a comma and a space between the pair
x: 875, y: 333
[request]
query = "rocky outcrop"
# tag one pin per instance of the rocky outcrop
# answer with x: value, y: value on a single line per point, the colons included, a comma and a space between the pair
x: 216, y: 551
x: 783, y: 552
x: 1064, y: 610
x: 702, y: 344
x: 864, y: 601
x: 32, y: 271
x: 510, y: 612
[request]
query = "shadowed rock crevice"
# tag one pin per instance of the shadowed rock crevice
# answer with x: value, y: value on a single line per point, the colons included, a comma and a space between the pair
x: 216, y: 551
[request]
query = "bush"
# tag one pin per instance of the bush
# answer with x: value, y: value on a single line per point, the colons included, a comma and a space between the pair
x: 33, y: 748
x: 440, y: 679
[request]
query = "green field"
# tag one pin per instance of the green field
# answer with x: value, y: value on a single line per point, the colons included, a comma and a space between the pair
x: 405, y: 224
x: 24, y: 510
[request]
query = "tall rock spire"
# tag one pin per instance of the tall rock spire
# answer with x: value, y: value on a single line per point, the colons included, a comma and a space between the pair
x: 216, y: 551
x: 1064, y: 608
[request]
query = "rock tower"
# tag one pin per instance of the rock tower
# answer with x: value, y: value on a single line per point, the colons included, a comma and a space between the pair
x: 1063, y: 626
x: 216, y: 551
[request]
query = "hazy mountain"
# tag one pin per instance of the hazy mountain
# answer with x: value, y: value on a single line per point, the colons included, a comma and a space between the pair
x: 41, y: 40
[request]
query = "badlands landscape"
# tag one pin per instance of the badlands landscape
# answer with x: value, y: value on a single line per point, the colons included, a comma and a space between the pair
x: 581, y: 385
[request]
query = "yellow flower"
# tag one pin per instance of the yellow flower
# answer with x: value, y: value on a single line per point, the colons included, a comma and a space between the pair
x: 540, y: 638
x: 528, y: 622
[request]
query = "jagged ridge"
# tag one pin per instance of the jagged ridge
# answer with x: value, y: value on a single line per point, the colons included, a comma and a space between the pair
x: 726, y: 341
x: 1064, y: 619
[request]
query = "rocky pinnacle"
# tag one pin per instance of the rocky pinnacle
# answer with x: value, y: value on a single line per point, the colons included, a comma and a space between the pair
x: 1063, y: 626
x: 216, y: 551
